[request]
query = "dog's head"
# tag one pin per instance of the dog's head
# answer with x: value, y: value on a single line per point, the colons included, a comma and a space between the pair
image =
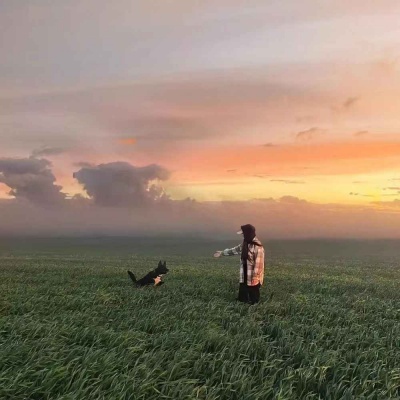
x: 162, y: 268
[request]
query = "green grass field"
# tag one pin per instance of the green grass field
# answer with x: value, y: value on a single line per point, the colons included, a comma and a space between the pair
x: 73, y: 327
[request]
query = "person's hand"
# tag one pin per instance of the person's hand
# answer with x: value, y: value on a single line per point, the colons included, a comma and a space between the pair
x: 217, y: 254
x: 157, y: 280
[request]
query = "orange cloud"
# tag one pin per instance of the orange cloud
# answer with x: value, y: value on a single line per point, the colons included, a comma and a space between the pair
x: 128, y: 141
x: 4, y: 189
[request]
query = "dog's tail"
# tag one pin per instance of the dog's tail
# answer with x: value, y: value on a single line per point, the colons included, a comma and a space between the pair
x: 132, y: 276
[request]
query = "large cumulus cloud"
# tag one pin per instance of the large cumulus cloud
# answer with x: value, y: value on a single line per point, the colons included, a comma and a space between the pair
x: 30, y: 179
x: 122, y: 184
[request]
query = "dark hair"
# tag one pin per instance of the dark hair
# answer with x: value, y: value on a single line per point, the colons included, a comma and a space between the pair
x: 249, y: 233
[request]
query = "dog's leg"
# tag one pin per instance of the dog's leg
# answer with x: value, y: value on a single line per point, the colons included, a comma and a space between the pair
x: 132, y: 277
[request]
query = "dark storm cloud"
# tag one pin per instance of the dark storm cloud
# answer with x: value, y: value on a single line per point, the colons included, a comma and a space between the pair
x: 31, y: 179
x: 120, y: 184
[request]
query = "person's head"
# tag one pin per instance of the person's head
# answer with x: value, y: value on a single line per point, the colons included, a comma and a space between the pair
x: 248, y: 231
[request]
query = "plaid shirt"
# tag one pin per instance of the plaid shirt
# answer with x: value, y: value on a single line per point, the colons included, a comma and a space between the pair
x: 255, y: 262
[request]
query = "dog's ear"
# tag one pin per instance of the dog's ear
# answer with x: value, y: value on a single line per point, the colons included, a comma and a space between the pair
x: 165, y: 263
x: 159, y: 264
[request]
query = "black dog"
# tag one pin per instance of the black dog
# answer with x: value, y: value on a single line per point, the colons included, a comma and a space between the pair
x: 149, y: 279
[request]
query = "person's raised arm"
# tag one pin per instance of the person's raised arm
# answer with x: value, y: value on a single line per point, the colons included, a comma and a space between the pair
x: 234, y: 251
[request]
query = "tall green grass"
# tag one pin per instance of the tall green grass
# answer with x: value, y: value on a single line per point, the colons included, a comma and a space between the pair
x: 73, y: 327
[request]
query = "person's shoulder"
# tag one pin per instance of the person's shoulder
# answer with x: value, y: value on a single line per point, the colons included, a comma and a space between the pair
x: 257, y: 242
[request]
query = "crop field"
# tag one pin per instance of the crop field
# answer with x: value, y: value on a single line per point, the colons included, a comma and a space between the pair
x: 73, y: 327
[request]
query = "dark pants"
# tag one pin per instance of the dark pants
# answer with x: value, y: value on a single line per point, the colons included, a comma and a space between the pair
x: 248, y: 294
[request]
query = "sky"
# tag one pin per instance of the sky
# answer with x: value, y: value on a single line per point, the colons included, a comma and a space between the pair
x: 200, y: 116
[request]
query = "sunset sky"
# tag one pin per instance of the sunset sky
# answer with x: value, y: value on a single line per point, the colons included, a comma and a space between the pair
x: 294, y: 105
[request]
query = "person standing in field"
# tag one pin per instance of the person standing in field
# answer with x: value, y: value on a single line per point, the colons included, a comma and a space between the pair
x: 251, y: 253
